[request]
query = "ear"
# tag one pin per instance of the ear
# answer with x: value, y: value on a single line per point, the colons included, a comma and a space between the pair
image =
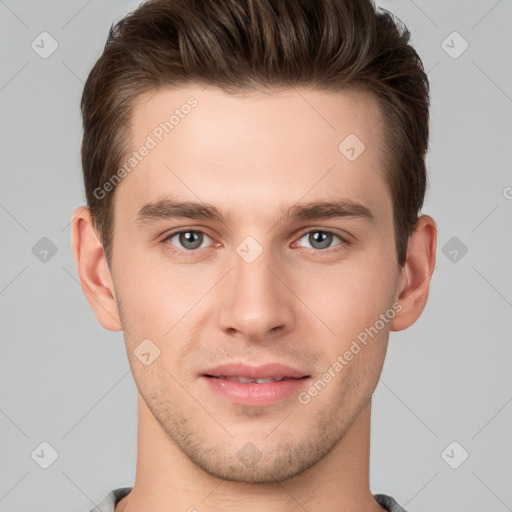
x: 415, y: 275
x: 93, y: 270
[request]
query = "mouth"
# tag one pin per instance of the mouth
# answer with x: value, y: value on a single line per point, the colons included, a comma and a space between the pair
x: 243, y: 372
x: 255, y: 386
x: 257, y: 381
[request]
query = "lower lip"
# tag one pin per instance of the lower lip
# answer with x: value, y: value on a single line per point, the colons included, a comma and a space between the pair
x: 254, y: 394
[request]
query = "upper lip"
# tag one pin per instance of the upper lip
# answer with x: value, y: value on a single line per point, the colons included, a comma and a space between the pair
x: 265, y: 371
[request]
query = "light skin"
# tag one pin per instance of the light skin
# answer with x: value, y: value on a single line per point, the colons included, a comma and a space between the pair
x: 301, y: 302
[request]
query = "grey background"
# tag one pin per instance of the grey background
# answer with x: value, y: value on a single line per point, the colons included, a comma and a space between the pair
x: 65, y: 380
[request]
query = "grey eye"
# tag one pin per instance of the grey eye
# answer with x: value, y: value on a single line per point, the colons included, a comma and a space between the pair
x: 188, y: 240
x: 320, y: 239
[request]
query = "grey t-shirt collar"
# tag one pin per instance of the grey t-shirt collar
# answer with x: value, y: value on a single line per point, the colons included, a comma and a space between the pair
x: 116, y: 495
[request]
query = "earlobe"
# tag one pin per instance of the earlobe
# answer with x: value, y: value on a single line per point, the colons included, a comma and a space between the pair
x: 414, y: 281
x: 93, y: 271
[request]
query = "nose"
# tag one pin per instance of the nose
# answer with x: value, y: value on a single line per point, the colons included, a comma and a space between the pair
x: 254, y: 300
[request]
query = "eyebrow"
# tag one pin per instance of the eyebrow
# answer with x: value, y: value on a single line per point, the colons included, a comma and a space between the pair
x: 166, y: 209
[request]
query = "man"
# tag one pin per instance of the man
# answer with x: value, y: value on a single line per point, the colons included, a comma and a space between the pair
x: 254, y: 174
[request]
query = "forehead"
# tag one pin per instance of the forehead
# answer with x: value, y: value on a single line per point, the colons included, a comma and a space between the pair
x: 255, y: 149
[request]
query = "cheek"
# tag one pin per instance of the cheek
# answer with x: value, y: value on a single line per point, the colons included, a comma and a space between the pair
x: 348, y: 298
x: 156, y: 295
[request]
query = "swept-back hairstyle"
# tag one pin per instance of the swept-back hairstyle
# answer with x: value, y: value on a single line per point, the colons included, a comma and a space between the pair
x: 239, y: 45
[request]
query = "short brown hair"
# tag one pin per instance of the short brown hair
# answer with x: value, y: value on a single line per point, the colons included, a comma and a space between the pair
x: 239, y: 45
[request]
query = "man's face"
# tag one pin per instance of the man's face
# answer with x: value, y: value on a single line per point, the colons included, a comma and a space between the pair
x: 258, y: 286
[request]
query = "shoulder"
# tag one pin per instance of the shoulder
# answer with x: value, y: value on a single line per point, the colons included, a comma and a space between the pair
x: 109, y: 502
x: 388, y: 502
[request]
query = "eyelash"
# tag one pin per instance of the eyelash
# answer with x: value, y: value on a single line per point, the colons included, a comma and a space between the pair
x: 343, y: 241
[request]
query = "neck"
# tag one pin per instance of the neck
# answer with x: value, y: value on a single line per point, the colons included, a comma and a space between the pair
x: 167, y: 480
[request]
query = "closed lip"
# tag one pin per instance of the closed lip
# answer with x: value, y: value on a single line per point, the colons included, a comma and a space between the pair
x: 264, y: 371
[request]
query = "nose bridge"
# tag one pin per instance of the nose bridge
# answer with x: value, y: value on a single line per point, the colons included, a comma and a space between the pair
x: 255, y: 300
